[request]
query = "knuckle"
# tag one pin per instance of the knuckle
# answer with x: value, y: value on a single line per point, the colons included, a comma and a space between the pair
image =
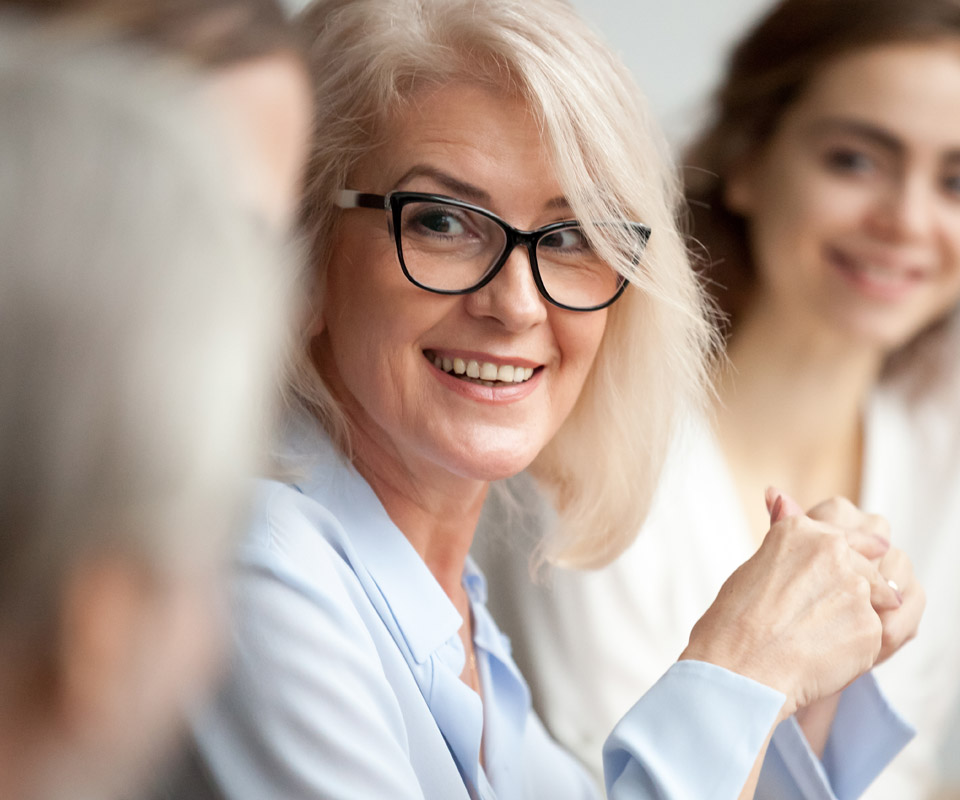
x: 787, y: 531
x: 831, y: 504
x: 842, y: 503
x: 890, y: 634
x: 829, y: 509
x: 877, y: 524
x: 897, y: 559
x: 835, y: 547
x: 862, y: 589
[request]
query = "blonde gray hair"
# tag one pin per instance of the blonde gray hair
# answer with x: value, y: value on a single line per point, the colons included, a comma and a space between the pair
x: 369, y: 59
x: 141, y: 318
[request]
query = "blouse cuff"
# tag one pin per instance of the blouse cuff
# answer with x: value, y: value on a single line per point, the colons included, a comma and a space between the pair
x: 865, y: 736
x: 696, y: 733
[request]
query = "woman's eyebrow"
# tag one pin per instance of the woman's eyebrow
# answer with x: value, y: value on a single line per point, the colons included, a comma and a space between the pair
x: 454, y: 186
x: 859, y: 128
x: 875, y: 134
x: 462, y: 189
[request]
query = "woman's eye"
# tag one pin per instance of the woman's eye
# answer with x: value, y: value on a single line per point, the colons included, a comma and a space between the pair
x: 844, y: 159
x: 566, y: 239
x: 439, y: 220
x: 951, y: 185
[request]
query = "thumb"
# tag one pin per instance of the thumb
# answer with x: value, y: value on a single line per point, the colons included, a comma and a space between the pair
x: 780, y: 505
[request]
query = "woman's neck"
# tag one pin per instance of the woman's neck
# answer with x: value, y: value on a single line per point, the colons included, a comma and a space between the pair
x: 438, y: 512
x: 790, y: 411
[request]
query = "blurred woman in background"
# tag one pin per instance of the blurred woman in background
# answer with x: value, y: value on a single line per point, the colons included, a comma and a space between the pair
x: 825, y: 194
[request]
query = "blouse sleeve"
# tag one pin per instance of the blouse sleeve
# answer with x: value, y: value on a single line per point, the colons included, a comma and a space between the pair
x: 699, y: 730
x: 696, y: 733
x: 866, y: 734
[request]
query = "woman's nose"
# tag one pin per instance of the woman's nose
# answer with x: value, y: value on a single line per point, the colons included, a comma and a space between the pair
x: 512, y: 296
x: 907, y: 209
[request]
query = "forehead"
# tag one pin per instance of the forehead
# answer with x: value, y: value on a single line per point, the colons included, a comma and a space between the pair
x: 910, y: 89
x: 483, y: 136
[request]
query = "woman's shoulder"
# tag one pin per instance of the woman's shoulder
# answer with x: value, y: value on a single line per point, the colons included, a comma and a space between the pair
x: 291, y: 529
x: 308, y: 517
x: 295, y: 559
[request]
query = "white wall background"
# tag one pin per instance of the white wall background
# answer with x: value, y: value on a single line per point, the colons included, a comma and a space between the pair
x: 674, y: 47
x: 676, y: 50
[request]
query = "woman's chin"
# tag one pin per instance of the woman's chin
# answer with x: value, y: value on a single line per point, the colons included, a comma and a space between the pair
x: 493, y: 464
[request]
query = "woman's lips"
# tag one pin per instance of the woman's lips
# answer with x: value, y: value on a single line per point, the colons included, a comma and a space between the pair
x: 486, y: 373
x: 514, y: 386
x: 879, y: 279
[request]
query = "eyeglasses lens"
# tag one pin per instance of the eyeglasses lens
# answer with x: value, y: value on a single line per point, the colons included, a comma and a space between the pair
x: 572, y: 272
x: 449, y: 248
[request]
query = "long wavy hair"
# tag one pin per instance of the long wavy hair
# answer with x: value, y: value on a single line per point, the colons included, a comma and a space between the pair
x: 368, y: 59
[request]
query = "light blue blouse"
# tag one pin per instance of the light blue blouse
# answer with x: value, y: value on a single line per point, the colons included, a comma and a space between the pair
x: 344, y: 683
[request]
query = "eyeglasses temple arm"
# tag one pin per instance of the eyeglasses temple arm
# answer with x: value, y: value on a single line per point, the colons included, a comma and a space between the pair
x: 348, y: 198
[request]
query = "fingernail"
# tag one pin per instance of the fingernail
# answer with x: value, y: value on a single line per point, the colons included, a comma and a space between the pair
x: 896, y: 590
x: 883, y: 540
x: 777, y: 508
x: 769, y: 495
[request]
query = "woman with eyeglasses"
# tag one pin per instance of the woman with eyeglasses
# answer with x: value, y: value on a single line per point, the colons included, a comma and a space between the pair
x: 825, y: 191
x: 498, y: 284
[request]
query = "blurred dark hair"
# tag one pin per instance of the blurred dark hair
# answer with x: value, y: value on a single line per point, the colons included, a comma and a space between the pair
x: 767, y: 72
x: 211, y: 33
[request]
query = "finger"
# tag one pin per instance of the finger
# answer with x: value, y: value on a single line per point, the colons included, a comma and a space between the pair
x: 868, y: 534
x: 877, y: 525
x: 897, y: 569
x: 883, y: 597
x: 770, y: 497
x: 869, y: 545
x: 781, y: 505
x: 837, y: 511
x: 900, y: 625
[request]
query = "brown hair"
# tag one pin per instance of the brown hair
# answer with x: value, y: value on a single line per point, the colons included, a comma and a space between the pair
x: 211, y: 33
x: 766, y: 74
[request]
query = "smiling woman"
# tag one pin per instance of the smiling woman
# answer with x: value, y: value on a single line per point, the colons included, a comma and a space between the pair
x: 608, y: 179
x: 483, y: 142
x: 498, y: 283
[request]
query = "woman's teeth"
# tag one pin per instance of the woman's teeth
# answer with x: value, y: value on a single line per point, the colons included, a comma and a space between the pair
x: 482, y: 372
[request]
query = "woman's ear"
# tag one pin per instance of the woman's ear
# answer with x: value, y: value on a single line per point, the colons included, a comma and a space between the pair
x: 739, y: 191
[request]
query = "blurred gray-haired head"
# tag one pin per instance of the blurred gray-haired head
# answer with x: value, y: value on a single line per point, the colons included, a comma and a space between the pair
x: 141, y: 318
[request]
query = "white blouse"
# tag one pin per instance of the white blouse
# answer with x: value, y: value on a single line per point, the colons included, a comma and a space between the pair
x: 591, y: 642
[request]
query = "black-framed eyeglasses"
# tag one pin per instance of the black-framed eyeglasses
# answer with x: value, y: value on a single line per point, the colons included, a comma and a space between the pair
x: 448, y: 246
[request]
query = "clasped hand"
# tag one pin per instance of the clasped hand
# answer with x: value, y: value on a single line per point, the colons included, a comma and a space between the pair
x: 814, y: 608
